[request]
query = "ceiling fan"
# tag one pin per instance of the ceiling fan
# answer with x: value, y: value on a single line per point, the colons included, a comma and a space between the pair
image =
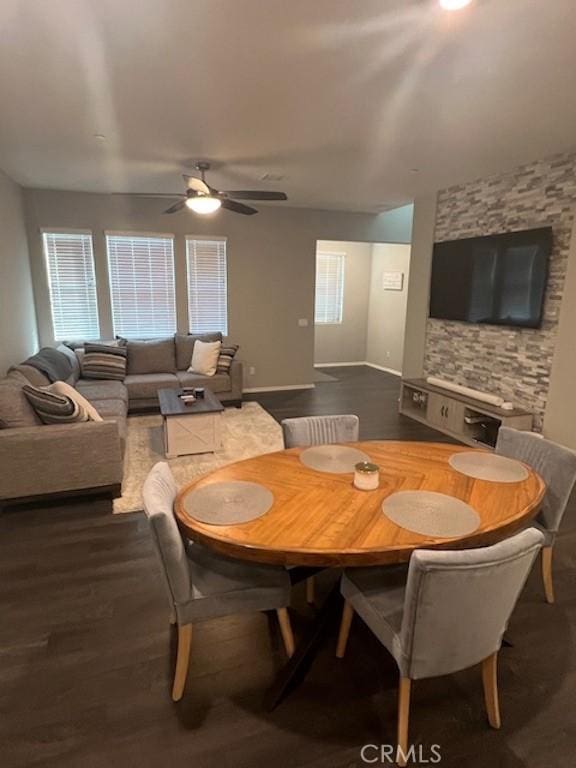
x: 200, y: 197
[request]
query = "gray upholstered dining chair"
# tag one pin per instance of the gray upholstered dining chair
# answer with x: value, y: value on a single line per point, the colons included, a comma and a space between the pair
x: 319, y: 430
x: 449, y: 613
x: 557, y: 467
x: 201, y: 584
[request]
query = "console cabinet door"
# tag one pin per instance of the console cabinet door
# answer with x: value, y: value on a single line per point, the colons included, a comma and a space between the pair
x: 445, y: 412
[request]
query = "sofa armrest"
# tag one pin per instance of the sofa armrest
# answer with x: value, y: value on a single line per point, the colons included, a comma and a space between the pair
x: 54, y: 458
x: 236, y: 380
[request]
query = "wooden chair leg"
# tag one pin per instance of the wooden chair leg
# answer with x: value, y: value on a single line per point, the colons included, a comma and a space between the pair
x: 310, y: 590
x: 182, y: 659
x: 286, y: 630
x: 347, y: 616
x: 490, y: 682
x: 403, y: 719
x: 547, y: 573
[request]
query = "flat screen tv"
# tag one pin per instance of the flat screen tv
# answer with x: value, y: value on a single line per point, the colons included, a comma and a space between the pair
x: 498, y: 280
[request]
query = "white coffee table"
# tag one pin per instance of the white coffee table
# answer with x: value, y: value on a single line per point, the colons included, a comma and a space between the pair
x: 190, y: 427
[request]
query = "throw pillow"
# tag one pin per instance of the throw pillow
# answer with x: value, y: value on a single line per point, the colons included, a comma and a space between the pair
x: 226, y: 357
x: 64, y: 389
x: 184, y: 343
x: 103, y: 362
x: 53, y: 408
x: 205, y: 357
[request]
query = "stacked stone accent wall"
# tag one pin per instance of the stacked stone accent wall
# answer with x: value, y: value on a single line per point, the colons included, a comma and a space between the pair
x: 512, y: 362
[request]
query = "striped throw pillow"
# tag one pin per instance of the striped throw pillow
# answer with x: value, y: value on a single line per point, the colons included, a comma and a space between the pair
x: 103, y: 362
x: 52, y: 408
x: 226, y: 357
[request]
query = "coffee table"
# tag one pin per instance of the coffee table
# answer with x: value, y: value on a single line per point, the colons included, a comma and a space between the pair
x: 190, y: 427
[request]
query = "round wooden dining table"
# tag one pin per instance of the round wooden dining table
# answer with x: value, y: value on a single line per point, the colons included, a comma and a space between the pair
x: 320, y: 519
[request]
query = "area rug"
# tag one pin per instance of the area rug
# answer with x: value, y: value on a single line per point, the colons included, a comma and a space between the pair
x: 246, y: 432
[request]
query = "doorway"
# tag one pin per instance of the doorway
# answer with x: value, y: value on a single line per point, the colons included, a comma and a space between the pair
x: 360, y: 304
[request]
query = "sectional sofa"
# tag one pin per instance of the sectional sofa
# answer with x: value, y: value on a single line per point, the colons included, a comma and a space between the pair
x: 39, y: 460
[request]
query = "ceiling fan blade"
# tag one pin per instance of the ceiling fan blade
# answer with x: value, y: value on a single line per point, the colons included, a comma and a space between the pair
x: 232, y: 205
x: 176, y: 207
x: 246, y: 194
x: 193, y: 182
x: 150, y: 195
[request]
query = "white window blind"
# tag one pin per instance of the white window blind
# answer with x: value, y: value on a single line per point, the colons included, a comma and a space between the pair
x: 329, y: 287
x: 72, y: 284
x: 207, y: 285
x: 141, y: 270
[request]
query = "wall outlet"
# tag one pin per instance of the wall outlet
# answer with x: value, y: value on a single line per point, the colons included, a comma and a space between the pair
x: 251, y: 370
x: 303, y: 322
x: 387, y: 354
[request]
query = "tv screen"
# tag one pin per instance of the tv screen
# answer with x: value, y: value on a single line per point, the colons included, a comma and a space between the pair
x: 498, y: 280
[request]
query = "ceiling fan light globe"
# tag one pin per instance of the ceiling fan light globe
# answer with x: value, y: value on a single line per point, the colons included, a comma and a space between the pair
x: 203, y: 204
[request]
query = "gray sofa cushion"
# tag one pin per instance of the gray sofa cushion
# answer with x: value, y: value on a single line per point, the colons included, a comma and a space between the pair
x: 220, y: 382
x: 94, y: 390
x: 185, y: 346
x: 156, y: 356
x: 145, y: 386
x: 111, y: 409
x: 33, y: 375
x: 15, y: 410
x: 74, y: 362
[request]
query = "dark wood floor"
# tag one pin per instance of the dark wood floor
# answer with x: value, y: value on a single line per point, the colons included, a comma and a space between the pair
x: 85, y: 646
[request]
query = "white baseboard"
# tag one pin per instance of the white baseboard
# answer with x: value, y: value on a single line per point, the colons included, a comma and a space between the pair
x: 254, y: 390
x: 393, y: 371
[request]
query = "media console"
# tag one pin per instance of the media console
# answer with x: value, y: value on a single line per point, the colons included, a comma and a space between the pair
x: 464, y: 418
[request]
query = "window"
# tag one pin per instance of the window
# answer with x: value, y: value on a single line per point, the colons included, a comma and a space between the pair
x: 207, y: 285
x: 329, y: 287
x: 141, y: 269
x: 72, y: 284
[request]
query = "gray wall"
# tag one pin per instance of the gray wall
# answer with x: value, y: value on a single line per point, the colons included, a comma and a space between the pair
x: 419, y: 286
x: 18, y: 337
x: 560, y: 417
x: 387, y: 309
x: 271, y: 266
x: 346, y: 341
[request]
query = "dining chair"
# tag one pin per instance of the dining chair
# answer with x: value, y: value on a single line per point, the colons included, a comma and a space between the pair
x: 448, y: 613
x: 306, y: 431
x: 557, y: 467
x: 320, y: 430
x: 201, y: 584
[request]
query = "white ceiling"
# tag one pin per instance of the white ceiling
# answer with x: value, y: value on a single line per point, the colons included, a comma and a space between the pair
x: 342, y: 97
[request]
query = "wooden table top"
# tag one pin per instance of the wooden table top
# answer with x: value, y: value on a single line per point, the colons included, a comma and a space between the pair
x: 172, y: 405
x: 321, y: 519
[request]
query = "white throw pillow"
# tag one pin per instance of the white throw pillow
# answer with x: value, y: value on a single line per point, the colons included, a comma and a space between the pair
x: 61, y: 388
x: 205, y: 357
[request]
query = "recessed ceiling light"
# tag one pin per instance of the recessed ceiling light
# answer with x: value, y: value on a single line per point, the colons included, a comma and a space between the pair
x: 454, y: 5
x: 100, y: 136
x: 414, y: 170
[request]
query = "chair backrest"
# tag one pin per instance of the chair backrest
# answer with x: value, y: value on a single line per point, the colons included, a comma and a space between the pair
x: 159, y: 493
x: 555, y: 464
x: 320, y: 430
x: 458, y: 603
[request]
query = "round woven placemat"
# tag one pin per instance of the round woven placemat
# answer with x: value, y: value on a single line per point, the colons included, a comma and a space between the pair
x: 228, y: 503
x: 488, y: 466
x: 337, y: 459
x: 431, y: 514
